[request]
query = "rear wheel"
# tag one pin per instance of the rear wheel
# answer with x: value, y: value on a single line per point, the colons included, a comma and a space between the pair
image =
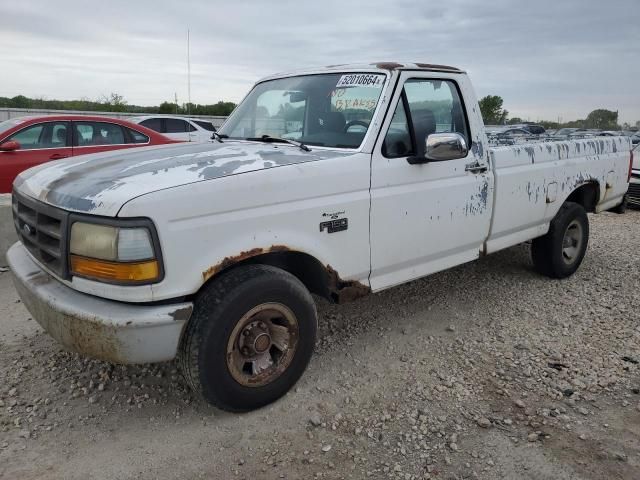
x: 559, y: 253
x: 250, y: 337
x: 622, y: 208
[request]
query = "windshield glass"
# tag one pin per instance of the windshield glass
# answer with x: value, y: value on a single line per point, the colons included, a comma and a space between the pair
x: 331, y: 110
x: 7, y: 124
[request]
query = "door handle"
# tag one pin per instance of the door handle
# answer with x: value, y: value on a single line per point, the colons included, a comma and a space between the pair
x: 475, y: 167
x: 57, y: 156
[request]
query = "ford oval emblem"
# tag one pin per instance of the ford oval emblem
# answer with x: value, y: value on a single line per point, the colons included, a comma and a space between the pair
x: 27, y: 230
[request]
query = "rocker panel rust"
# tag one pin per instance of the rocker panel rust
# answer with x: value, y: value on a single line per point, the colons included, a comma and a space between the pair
x: 344, y: 291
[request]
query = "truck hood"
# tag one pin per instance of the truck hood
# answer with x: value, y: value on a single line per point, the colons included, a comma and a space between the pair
x: 102, y: 183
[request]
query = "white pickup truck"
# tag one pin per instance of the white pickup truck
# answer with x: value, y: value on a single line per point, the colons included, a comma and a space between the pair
x: 338, y: 181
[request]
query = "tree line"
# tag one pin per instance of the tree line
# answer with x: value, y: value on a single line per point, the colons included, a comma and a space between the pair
x: 117, y: 103
x: 491, y: 108
x: 493, y: 113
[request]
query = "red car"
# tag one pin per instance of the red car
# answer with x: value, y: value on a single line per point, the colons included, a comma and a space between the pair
x: 29, y: 141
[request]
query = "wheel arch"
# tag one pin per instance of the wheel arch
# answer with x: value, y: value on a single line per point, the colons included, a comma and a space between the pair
x: 320, y: 279
x: 586, y: 194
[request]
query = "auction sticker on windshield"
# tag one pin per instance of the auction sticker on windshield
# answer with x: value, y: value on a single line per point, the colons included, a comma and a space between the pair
x: 361, y: 80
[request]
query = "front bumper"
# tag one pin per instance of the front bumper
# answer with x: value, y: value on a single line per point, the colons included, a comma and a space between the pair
x: 108, y: 330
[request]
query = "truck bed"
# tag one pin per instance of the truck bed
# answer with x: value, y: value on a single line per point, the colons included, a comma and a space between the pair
x: 532, y: 180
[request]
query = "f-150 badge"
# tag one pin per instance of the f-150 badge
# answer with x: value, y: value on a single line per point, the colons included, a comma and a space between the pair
x: 333, y: 226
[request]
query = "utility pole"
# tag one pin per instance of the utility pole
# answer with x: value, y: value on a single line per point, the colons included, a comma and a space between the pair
x: 188, y: 73
x: 175, y: 97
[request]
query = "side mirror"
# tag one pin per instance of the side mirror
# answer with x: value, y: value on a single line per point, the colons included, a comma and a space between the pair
x: 445, y: 146
x: 440, y: 147
x: 9, y: 146
x: 295, y: 97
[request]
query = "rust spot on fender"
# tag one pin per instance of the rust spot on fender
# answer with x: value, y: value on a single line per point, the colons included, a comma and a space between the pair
x: 388, y: 65
x: 344, y: 291
x: 229, y: 261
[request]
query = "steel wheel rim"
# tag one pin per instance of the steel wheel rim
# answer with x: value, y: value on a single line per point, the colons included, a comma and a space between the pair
x: 572, y: 242
x: 262, y: 344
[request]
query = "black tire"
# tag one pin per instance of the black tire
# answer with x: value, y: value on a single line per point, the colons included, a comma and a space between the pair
x: 219, y: 306
x: 548, y: 252
x: 622, y: 208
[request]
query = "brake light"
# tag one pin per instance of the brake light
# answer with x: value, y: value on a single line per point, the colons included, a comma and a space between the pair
x: 630, y: 166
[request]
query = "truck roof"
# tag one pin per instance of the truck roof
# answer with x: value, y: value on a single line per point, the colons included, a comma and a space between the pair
x: 380, y: 66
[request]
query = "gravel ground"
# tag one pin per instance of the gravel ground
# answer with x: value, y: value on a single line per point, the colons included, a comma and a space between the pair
x: 484, y: 371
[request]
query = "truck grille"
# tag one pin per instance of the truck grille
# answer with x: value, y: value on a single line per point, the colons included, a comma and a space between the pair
x: 42, y: 230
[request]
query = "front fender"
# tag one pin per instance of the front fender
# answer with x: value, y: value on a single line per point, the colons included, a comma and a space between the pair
x: 208, y: 226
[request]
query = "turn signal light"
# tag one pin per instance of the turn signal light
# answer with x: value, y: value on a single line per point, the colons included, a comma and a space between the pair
x: 130, y: 272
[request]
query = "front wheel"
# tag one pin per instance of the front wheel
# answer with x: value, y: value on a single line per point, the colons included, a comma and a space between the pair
x: 250, y: 337
x: 559, y: 253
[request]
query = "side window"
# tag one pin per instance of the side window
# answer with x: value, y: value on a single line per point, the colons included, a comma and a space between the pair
x: 434, y: 107
x: 153, y: 124
x: 191, y: 127
x: 175, y: 125
x: 58, y: 135
x: 397, y: 142
x: 137, y: 137
x: 42, y: 135
x: 29, y: 137
x: 98, y: 133
x: 206, y: 125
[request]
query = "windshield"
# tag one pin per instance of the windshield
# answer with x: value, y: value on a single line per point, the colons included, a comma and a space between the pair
x: 7, y: 124
x: 331, y: 110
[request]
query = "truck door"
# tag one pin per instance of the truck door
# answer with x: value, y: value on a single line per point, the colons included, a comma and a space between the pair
x: 429, y: 216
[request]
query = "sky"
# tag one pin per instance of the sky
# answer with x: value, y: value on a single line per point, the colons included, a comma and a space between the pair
x: 557, y: 59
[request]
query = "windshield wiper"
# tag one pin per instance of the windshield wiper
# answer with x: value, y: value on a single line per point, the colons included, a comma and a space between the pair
x: 269, y: 138
x: 217, y: 136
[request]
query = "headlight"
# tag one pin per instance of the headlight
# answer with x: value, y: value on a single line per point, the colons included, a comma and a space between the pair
x: 116, y: 254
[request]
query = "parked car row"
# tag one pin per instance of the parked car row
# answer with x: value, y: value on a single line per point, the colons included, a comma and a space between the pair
x: 512, y: 134
x: 29, y: 141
